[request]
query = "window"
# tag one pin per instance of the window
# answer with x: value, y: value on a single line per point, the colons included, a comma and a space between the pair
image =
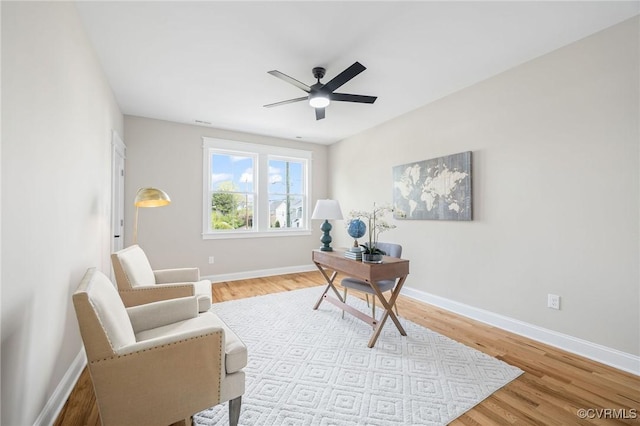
x: 254, y: 190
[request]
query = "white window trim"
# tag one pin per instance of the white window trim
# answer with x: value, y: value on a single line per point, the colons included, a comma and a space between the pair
x: 262, y: 171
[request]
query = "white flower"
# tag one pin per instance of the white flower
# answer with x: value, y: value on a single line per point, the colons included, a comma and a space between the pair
x: 376, y: 224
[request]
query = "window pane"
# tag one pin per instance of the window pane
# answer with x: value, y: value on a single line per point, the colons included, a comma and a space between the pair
x: 286, y: 193
x: 231, y: 211
x: 232, y: 196
x: 286, y: 177
x: 286, y: 211
x: 231, y: 172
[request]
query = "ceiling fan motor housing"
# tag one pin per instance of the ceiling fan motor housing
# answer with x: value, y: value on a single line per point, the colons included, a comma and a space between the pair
x: 318, y: 72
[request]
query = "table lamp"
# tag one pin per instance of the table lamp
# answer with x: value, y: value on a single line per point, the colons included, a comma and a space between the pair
x: 326, y: 209
x: 148, y: 197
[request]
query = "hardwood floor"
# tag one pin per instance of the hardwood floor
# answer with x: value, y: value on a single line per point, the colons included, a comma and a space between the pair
x: 554, y: 389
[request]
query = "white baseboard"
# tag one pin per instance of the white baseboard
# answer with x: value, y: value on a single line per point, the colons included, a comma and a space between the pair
x: 605, y: 355
x: 261, y: 273
x: 54, y: 405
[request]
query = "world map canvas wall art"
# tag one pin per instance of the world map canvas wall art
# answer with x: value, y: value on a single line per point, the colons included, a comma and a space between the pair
x: 436, y: 189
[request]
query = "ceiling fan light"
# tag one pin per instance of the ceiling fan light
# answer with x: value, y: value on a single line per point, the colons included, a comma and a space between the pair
x: 319, y: 101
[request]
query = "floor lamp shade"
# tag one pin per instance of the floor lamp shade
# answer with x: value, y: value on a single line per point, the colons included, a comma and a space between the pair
x: 326, y: 209
x: 151, y: 197
x: 148, y: 197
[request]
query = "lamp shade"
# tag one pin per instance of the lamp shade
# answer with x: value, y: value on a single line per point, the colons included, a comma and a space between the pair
x: 327, y: 209
x: 151, y: 197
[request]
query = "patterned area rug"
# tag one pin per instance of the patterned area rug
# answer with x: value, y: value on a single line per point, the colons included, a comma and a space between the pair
x: 311, y: 367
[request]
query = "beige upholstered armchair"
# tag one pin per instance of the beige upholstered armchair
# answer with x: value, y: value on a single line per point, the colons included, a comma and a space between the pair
x: 139, y: 284
x: 158, y: 363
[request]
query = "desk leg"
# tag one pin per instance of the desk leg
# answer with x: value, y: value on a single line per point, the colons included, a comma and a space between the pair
x: 392, y: 303
x: 388, y: 311
x: 329, y: 281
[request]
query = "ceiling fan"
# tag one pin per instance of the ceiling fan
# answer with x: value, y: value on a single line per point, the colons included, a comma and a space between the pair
x: 321, y: 95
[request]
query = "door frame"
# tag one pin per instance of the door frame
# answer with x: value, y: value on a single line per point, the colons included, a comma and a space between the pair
x: 118, y: 157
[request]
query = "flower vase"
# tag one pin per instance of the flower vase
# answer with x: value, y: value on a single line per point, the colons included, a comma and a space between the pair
x: 372, y: 258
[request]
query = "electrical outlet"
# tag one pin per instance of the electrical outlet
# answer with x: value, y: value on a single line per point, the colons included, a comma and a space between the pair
x: 210, y: 259
x: 553, y: 301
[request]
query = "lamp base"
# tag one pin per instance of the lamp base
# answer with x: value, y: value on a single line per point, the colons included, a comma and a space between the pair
x: 326, y: 238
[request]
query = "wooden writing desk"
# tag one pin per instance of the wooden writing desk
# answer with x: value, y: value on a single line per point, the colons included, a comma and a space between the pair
x: 390, y: 268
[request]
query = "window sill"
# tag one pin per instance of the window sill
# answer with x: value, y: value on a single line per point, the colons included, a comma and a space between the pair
x: 256, y: 234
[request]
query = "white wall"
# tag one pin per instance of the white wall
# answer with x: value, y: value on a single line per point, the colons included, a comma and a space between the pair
x: 58, y: 113
x: 169, y: 156
x: 556, y: 186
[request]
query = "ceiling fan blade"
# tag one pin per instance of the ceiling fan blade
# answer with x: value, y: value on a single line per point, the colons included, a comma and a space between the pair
x: 343, y: 77
x: 345, y: 97
x: 290, y: 80
x: 290, y: 101
x: 319, y: 113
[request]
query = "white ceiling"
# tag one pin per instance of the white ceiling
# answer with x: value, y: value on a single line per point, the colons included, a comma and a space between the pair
x: 208, y: 60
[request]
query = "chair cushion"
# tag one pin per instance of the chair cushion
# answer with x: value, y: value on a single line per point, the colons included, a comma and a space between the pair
x: 235, y: 349
x: 110, y: 311
x: 356, y: 284
x: 137, y: 267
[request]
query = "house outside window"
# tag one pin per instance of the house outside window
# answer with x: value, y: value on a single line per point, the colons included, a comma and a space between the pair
x: 254, y: 190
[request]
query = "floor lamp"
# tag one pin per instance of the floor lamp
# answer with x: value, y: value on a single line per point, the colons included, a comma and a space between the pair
x: 148, y: 197
x: 326, y: 209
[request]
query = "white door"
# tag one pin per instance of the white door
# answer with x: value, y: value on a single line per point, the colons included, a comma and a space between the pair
x: 117, y: 189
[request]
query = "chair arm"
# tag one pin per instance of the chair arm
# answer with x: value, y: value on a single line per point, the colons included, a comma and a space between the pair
x: 150, y: 384
x: 163, y: 312
x: 170, y: 339
x: 177, y: 275
x: 153, y: 293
